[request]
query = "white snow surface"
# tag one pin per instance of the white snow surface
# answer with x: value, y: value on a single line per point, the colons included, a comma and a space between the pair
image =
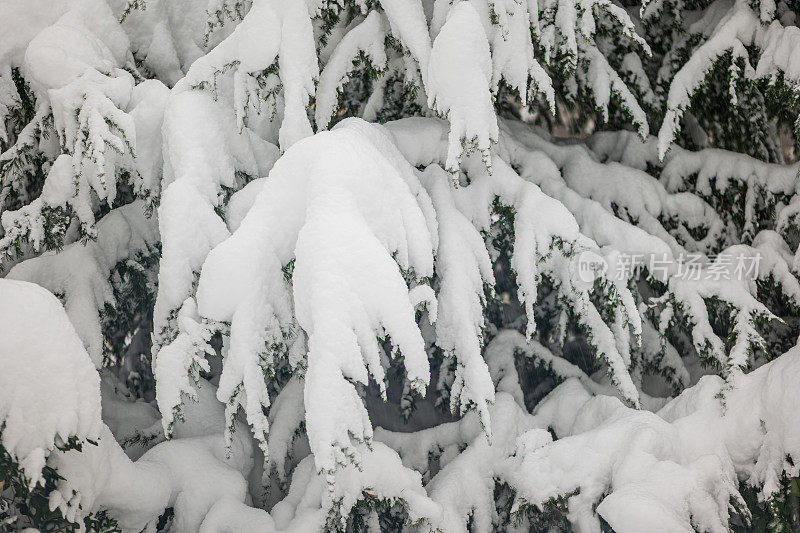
x: 356, y: 200
x: 80, y: 271
x: 49, y: 390
x: 460, y: 74
x: 333, y: 243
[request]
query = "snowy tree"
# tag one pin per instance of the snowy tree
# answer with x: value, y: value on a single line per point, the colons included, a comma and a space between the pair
x: 300, y: 265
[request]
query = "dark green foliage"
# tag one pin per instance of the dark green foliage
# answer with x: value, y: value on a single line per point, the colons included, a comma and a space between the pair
x: 391, y: 515
x: 779, y: 514
x: 550, y: 518
x: 21, y: 507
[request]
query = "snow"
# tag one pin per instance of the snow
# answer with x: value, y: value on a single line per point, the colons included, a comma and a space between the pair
x: 204, y: 483
x: 298, y: 70
x: 739, y: 291
x: 718, y: 168
x: 512, y: 49
x: 80, y: 271
x: 408, y: 24
x: 168, y: 36
x: 611, y: 186
x: 311, y: 209
x: 778, y: 43
x: 713, y: 170
x: 381, y: 477
x: 28, y: 221
x: 367, y: 38
x: 476, y: 468
x: 459, y: 78
x: 196, y: 166
x: 463, y: 266
x: 51, y: 68
x: 376, y: 294
x: 696, y: 449
x: 64, y: 62
x: 49, y: 390
x: 738, y: 27
x: 286, y: 415
x: 179, y: 362
x: 28, y: 19
x: 733, y: 33
x: 190, y: 475
x: 148, y: 100
x: 604, y: 80
x: 199, y: 165
x: 312, y: 286
x: 540, y: 221
x: 73, y: 67
x: 63, y: 41
x: 128, y: 420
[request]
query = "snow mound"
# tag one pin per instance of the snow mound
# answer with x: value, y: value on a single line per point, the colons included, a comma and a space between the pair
x: 49, y: 389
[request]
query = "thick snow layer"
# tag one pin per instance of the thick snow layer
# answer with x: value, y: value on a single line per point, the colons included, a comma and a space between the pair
x: 367, y: 38
x: 541, y: 220
x: 695, y: 445
x: 28, y: 18
x: 190, y: 474
x: 459, y: 78
x: 203, y: 149
x: 147, y: 103
x: 609, y: 184
x: 463, y: 266
x: 583, y: 190
x: 49, y: 389
x: 719, y: 168
x: 737, y: 27
x: 105, y: 127
x: 604, y: 81
x: 298, y: 68
x: 408, y: 24
x: 135, y: 424
x: 206, y: 142
x: 253, y: 44
x: 85, y: 37
x: 170, y: 35
x: 317, y: 259
x: 715, y: 170
x: 381, y: 476
x: 340, y: 215
x: 28, y: 221
x: 204, y: 481
x: 80, y: 271
x: 678, y: 467
x: 512, y: 48
x: 360, y: 225
x: 465, y: 485
x: 180, y: 362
